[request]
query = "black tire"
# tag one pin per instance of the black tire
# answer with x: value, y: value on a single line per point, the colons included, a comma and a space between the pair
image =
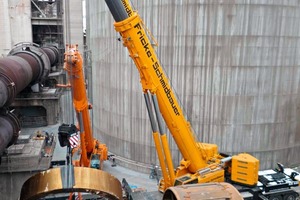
x: 275, y: 197
x: 289, y: 197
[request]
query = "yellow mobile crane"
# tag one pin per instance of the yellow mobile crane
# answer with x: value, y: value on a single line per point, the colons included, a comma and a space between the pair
x: 201, y: 163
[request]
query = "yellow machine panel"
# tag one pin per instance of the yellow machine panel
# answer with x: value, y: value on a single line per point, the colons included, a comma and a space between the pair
x: 210, y: 149
x: 245, y: 169
x: 217, y: 176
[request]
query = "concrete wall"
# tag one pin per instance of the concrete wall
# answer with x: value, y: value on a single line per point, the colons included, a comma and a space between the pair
x: 73, y: 23
x: 12, y: 183
x: 15, y: 23
x: 233, y: 64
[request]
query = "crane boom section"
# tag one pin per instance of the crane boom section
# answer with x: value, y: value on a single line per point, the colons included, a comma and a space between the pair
x: 154, y: 79
x: 74, y: 67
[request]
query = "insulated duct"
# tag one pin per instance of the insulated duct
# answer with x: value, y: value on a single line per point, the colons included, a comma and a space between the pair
x: 26, y: 64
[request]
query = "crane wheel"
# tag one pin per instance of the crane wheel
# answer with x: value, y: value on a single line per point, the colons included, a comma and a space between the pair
x: 71, y: 179
x: 290, y: 197
x: 275, y: 197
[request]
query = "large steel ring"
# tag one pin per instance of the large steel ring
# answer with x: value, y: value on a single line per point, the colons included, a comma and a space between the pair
x: 87, y: 180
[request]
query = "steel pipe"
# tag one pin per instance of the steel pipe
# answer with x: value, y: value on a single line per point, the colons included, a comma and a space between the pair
x: 15, y: 74
x: 9, y: 129
x: 52, y: 53
x: 25, y: 65
x: 37, y: 53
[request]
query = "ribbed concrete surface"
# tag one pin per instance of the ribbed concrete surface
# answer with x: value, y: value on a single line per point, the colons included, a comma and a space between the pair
x: 233, y: 64
x: 73, y: 23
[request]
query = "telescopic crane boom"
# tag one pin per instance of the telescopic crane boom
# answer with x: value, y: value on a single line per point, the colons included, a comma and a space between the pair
x: 90, y: 147
x: 196, y: 156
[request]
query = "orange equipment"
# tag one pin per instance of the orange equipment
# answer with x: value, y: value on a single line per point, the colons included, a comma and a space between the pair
x: 91, y: 149
x: 82, y: 176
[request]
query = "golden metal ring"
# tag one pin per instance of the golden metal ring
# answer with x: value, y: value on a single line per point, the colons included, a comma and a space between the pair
x: 71, y: 179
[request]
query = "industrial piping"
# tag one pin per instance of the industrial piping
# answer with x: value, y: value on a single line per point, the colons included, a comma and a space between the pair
x: 25, y: 65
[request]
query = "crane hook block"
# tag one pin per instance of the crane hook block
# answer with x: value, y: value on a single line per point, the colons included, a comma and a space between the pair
x: 64, y: 133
